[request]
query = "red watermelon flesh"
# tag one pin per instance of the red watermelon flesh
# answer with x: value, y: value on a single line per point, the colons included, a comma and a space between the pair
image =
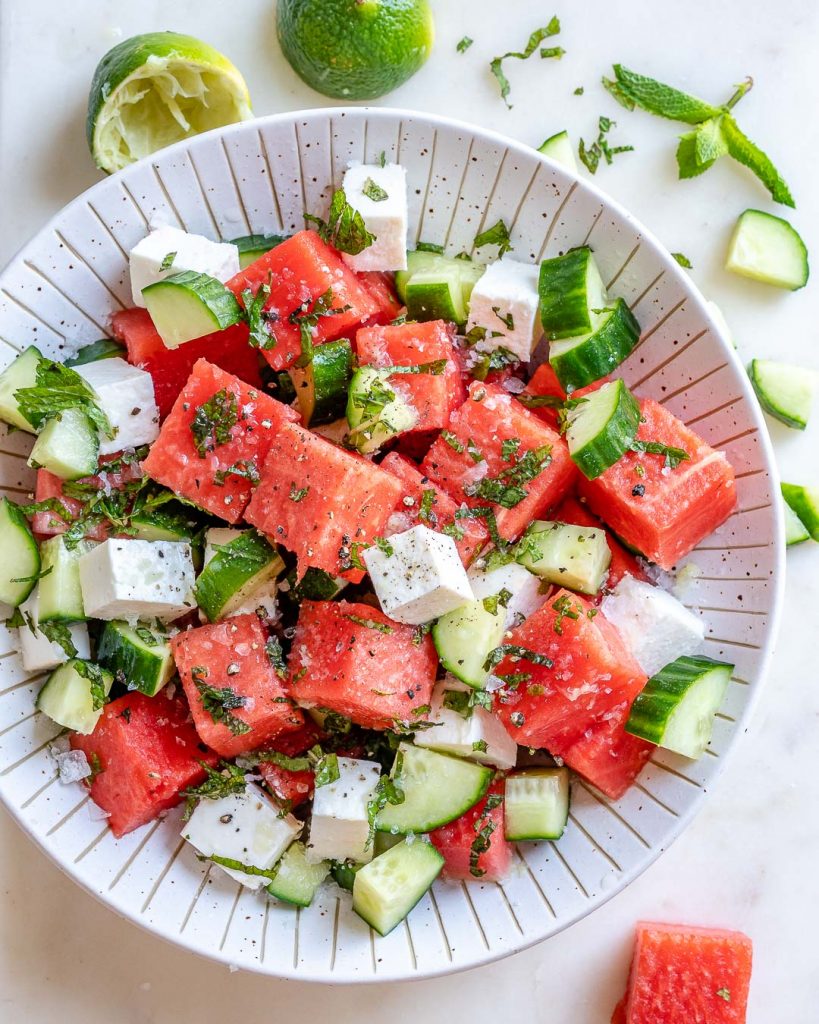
x: 592, y: 673
x: 175, y: 462
x: 319, y: 500
x: 231, y: 656
x: 350, y: 658
x: 619, y: 1015
x: 544, y: 382
x: 442, y: 513
x: 291, y: 787
x: 299, y: 271
x: 148, y: 753
x: 488, y: 418
x: 381, y: 286
x: 171, y: 368
x: 686, y: 974
x: 623, y: 563
x: 455, y: 840
x: 662, y: 512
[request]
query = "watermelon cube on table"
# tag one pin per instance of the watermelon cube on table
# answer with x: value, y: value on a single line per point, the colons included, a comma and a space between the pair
x: 664, y: 512
x: 434, y: 396
x: 145, y: 752
x: 170, y: 368
x: 485, y: 454
x: 321, y: 502
x: 565, y: 672
x: 474, y: 846
x: 437, y: 512
x: 237, y: 700
x: 623, y: 563
x: 217, y: 424
x: 350, y: 658
x: 682, y: 973
x: 299, y: 271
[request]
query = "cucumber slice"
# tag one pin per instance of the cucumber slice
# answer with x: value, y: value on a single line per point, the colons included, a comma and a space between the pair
x: 190, y: 305
x: 343, y: 873
x: 140, y: 657
x: 437, y: 789
x: 321, y: 387
x: 769, y: 249
x: 601, y: 428
x: 784, y: 392
x: 171, y: 522
x: 67, y: 446
x: 60, y: 593
x: 386, y: 889
x: 464, y: 637
x: 676, y: 708
x: 577, y: 557
x: 105, y: 348
x: 570, y: 289
x: 238, y: 569
x: 581, y: 361
x: 74, y: 695
x: 315, y: 585
x: 795, y: 531
x: 558, y: 147
x: 805, y: 503
x: 536, y: 804
x: 436, y: 295
x: 22, y: 373
x: 21, y: 556
x: 376, y: 411
x: 251, y: 247
x: 297, y: 880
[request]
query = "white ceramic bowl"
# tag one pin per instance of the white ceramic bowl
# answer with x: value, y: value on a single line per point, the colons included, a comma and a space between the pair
x: 261, y: 176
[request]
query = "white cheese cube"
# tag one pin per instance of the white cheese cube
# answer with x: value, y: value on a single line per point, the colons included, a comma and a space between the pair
x: 423, y: 577
x: 386, y: 218
x: 479, y: 736
x: 132, y: 579
x: 504, y: 303
x: 126, y: 396
x: 192, y: 252
x: 654, y: 625
x: 522, y: 586
x: 247, y: 827
x: 339, y: 827
x: 37, y: 652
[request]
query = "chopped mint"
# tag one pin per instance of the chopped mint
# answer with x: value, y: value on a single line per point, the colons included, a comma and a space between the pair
x: 535, y: 39
x: 464, y: 44
x: 213, y: 422
x: 220, y: 702
x: 683, y: 260
x: 344, y: 228
x: 591, y: 155
x: 497, y: 235
x: 372, y: 190
x: 167, y: 261
x: 306, y: 319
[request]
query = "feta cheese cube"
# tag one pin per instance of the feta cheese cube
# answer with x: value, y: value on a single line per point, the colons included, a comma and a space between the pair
x: 126, y: 396
x: 191, y: 252
x: 523, y: 587
x: 37, y: 652
x: 423, y: 577
x: 132, y: 579
x: 505, y: 303
x: 247, y: 827
x: 654, y: 625
x: 480, y: 737
x: 386, y: 218
x: 339, y: 827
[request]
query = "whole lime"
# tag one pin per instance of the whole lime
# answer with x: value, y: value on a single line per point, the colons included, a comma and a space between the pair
x: 355, y: 49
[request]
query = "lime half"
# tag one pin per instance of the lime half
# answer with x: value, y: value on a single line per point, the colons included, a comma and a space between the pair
x: 155, y: 89
x: 355, y: 49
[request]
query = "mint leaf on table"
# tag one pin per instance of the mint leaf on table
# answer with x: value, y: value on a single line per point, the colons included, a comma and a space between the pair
x: 632, y: 90
x: 591, y: 155
x: 751, y: 156
x: 535, y: 39
x: 683, y: 260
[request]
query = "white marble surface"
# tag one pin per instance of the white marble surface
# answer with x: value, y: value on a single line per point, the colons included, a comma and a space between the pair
x: 749, y: 860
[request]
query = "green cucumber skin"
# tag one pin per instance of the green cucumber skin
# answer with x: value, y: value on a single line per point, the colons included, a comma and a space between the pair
x: 328, y: 377
x: 602, y: 451
x: 21, y: 373
x: 451, y: 635
x: 805, y: 503
x: 773, y: 404
x: 601, y: 352
x: 752, y: 223
x: 220, y: 303
x: 253, y: 247
x: 60, y: 594
x: 230, y: 569
x: 105, y: 348
x: 564, y: 299
x: 795, y: 530
x: 146, y: 669
x: 15, y: 530
x: 436, y: 299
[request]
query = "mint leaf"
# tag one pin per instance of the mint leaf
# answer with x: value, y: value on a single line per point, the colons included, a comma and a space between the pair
x: 257, y: 317
x: 751, y: 156
x: 683, y: 260
x: 709, y: 141
x: 59, y: 633
x: 631, y: 89
x: 497, y: 235
x: 372, y: 190
x: 213, y: 422
x: 464, y: 44
x: 687, y: 165
x: 591, y: 155
x: 344, y: 228
x: 306, y: 319
x: 535, y: 39
x: 56, y: 388
x: 552, y: 51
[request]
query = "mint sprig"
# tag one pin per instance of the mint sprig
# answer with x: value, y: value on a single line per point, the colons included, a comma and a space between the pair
x: 715, y: 131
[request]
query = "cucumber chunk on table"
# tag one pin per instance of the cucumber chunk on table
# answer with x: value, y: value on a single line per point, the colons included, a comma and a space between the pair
x: 536, y: 804
x: 21, y: 556
x: 386, y: 889
x: 784, y: 391
x: 805, y: 503
x: 768, y: 249
x: 795, y: 530
x: 602, y: 427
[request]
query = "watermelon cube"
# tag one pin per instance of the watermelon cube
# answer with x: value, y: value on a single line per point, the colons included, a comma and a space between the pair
x: 321, y: 502
x: 683, y: 973
x: 145, y: 753
x: 469, y: 535
x: 623, y: 563
x: 544, y: 383
x: 483, y: 459
x: 566, y: 671
x: 433, y: 396
x: 487, y: 859
x: 299, y: 271
x: 170, y: 368
x: 351, y: 659
x: 293, y: 787
x: 664, y: 512
x: 237, y: 700
x: 217, y: 424
x: 381, y: 286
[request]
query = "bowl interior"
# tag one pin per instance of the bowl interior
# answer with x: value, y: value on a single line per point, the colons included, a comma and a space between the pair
x: 260, y: 177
